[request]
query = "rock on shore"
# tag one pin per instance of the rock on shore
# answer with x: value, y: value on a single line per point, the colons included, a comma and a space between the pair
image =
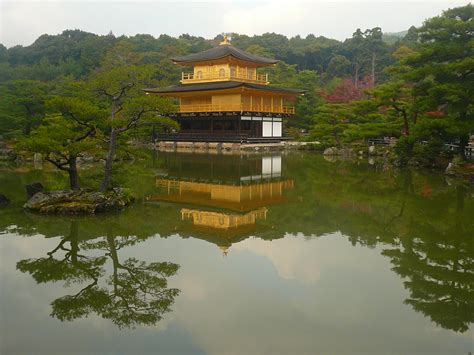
x: 78, y: 202
x: 33, y: 189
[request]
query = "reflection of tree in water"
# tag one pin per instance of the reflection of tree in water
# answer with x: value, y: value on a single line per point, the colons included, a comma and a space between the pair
x: 136, y: 293
x: 439, y: 267
x: 429, y: 240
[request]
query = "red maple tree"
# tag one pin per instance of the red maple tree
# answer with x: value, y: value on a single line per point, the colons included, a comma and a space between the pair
x: 347, y: 91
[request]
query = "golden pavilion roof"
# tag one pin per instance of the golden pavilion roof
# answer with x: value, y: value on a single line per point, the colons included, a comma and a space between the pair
x: 222, y: 51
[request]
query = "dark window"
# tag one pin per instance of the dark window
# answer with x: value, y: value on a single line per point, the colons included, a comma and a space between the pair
x: 218, y: 125
x: 245, y: 125
x: 230, y: 125
x: 197, y: 125
x: 185, y: 125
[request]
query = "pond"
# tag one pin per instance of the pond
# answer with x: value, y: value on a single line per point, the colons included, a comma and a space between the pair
x: 283, y: 253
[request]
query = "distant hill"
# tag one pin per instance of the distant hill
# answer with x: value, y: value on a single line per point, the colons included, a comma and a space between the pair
x: 393, y: 37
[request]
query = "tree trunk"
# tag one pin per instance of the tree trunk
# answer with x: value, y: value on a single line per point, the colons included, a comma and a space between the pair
x: 373, y: 68
x: 111, y: 153
x: 27, y: 128
x: 109, y: 161
x: 463, y: 142
x: 336, y: 137
x: 356, y: 77
x: 73, y: 235
x: 411, y: 145
x: 463, y: 138
x: 29, y: 121
x: 114, y: 256
x: 406, y: 125
x: 73, y: 176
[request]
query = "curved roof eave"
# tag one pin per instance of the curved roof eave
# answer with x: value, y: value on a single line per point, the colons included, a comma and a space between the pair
x: 220, y: 52
x: 182, y: 88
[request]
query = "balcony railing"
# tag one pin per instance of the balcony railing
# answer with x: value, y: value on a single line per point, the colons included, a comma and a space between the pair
x: 237, y: 108
x: 189, y: 78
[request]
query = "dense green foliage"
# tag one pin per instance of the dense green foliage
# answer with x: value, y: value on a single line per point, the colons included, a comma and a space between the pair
x: 309, y: 63
x: 425, y: 98
x: 418, y: 87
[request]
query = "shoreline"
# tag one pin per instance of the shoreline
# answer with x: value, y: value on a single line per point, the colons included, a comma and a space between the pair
x: 350, y: 152
x: 220, y: 147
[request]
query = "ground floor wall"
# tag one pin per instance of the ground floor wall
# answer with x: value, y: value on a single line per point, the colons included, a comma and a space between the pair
x: 250, y: 126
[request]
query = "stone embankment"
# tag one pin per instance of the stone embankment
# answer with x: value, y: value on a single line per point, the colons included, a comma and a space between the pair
x: 371, y: 150
x: 212, y: 146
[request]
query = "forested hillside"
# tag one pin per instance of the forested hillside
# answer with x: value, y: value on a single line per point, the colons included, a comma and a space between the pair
x: 418, y: 85
x: 310, y: 63
x: 77, y: 53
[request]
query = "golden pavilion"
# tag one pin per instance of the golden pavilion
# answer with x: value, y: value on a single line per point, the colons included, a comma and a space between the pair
x: 226, y: 99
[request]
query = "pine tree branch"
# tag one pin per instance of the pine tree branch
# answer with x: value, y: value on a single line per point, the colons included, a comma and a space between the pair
x: 57, y: 164
x: 89, y: 133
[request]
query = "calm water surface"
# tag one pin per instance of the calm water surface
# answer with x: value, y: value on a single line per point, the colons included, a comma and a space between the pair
x: 251, y: 254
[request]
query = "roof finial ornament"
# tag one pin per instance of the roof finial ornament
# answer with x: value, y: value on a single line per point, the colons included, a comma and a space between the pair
x: 226, y: 40
x: 224, y: 250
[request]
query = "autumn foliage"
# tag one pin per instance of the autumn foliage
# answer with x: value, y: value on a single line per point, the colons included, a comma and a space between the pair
x: 435, y: 114
x: 347, y: 91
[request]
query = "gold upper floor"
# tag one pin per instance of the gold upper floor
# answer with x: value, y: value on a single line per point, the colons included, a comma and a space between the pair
x: 235, y: 102
x: 224, y: 72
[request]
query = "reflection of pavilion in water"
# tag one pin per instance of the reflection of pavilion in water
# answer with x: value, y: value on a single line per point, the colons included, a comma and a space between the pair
x: 220, y: 220
x: 224, y: 196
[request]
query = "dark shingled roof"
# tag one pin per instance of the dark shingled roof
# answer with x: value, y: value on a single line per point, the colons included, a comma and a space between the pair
x: 219, y: 85
x: 223, y: 51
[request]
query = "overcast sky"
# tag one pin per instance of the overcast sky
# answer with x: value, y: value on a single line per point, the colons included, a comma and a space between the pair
x: 21, y: 22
